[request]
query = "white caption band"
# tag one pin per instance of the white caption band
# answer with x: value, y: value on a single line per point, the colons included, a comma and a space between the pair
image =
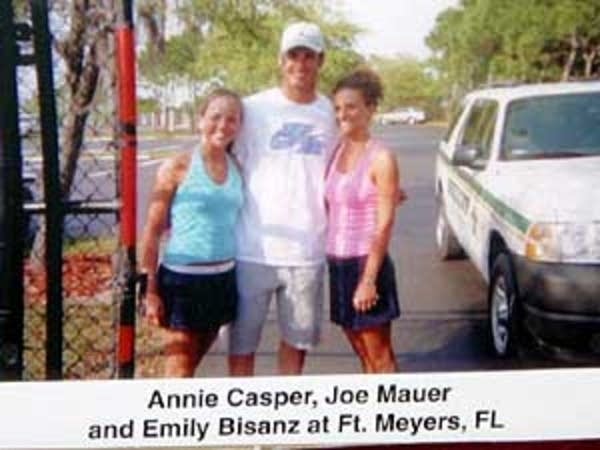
x: 341, y: 409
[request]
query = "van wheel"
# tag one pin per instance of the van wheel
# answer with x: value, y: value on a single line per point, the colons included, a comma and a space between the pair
x: 447, y: 245
x: 503, y: 301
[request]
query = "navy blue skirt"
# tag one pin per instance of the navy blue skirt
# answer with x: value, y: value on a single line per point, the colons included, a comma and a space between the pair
x: 198, y: 302
x: 344, y: 275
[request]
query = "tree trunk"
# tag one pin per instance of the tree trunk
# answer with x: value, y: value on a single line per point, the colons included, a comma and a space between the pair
x: 152, y: 16
x: 568, y: 67
x: 85, y: 53
x: 589, y: 56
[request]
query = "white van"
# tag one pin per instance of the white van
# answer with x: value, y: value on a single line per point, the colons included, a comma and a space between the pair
x: 518, y: 189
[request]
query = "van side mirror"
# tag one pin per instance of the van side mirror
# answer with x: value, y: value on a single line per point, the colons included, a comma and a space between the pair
x: 469, y: 157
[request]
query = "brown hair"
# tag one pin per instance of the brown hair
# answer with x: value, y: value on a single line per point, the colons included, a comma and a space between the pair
x: 364, y: 80
x: 218, y: 93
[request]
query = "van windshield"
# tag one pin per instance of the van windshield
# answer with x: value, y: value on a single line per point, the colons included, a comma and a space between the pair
x: 556, y: 126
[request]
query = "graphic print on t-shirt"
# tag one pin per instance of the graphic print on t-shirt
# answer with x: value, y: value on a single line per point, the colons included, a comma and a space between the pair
x: 297, y: 137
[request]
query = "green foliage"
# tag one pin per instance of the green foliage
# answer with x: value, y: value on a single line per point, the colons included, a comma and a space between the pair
x: 147, y: 105
x: 531, y: 40
x: 409, y: 82
x: 338, y: 63
x: 237, y: 42
x: 406, y: 82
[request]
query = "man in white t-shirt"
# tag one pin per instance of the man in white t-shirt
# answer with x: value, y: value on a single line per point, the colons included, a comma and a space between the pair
x: 286, y: 141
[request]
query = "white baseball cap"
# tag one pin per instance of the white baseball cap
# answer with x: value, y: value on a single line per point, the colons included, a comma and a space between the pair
x: 302, y: 34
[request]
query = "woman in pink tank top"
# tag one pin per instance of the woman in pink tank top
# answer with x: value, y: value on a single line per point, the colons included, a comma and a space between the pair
x: 362, y: 193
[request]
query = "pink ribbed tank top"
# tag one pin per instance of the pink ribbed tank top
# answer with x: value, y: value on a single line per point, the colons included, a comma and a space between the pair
x: 352, y: 206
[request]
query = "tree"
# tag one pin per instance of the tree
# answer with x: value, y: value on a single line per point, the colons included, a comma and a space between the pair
x: 534, y: 40
x: 407, y: 82
x: 237, y: 42
x: 82, y: 32
x: 87, y: 54
x: 577, y: 23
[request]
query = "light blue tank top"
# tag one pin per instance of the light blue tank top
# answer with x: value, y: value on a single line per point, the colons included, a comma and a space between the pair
x: 203, y: 216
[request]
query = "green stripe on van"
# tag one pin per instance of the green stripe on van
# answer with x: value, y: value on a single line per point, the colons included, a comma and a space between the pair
x: 511, y: 216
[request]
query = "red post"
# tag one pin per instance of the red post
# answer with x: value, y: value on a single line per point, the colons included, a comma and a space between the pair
x: 125, y: 44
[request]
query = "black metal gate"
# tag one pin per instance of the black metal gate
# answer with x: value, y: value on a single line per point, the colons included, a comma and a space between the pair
x: 64, y: 272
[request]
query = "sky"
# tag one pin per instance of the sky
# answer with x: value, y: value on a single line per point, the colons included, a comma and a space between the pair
x: 394, y: 26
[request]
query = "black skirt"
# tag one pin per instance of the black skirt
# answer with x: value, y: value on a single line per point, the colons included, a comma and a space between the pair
x: 198, y: 302
x: 344, y: 275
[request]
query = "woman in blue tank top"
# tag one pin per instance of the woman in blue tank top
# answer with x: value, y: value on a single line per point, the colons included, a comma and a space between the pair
x: 196, y: 198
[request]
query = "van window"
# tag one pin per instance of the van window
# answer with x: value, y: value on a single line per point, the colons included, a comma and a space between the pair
x: 479, y: 128
x: 454, y: 116
x: 556, y: 126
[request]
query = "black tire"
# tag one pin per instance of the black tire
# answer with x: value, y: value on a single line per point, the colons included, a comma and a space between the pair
x: 504, y: 308
x: 447, y: 245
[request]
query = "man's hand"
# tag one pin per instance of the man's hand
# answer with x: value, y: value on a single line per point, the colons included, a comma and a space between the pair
x: 401, y: 197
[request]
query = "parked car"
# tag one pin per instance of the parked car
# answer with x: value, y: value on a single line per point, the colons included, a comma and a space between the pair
x: 408, y: 115
x: 518, y: 190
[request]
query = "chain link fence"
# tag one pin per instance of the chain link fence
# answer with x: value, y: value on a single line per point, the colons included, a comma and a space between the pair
x: 82, y: 36
x: 89, y: 241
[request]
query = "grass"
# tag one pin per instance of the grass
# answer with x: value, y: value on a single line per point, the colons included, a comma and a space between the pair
x: 90, y: 321
x: 101, y: 245
x: 90, y: 331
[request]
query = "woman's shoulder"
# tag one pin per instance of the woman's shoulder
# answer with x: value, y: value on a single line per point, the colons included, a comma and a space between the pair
x: 172, y: 169
x: 378, y: 145
x: 384, y: 159
x: 182, y: 160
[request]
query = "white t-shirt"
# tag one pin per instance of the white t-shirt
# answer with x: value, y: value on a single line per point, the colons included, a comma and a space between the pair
x: 284, y: 148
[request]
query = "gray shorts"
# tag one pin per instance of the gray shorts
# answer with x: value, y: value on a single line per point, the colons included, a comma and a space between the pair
x: 298, y: 291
